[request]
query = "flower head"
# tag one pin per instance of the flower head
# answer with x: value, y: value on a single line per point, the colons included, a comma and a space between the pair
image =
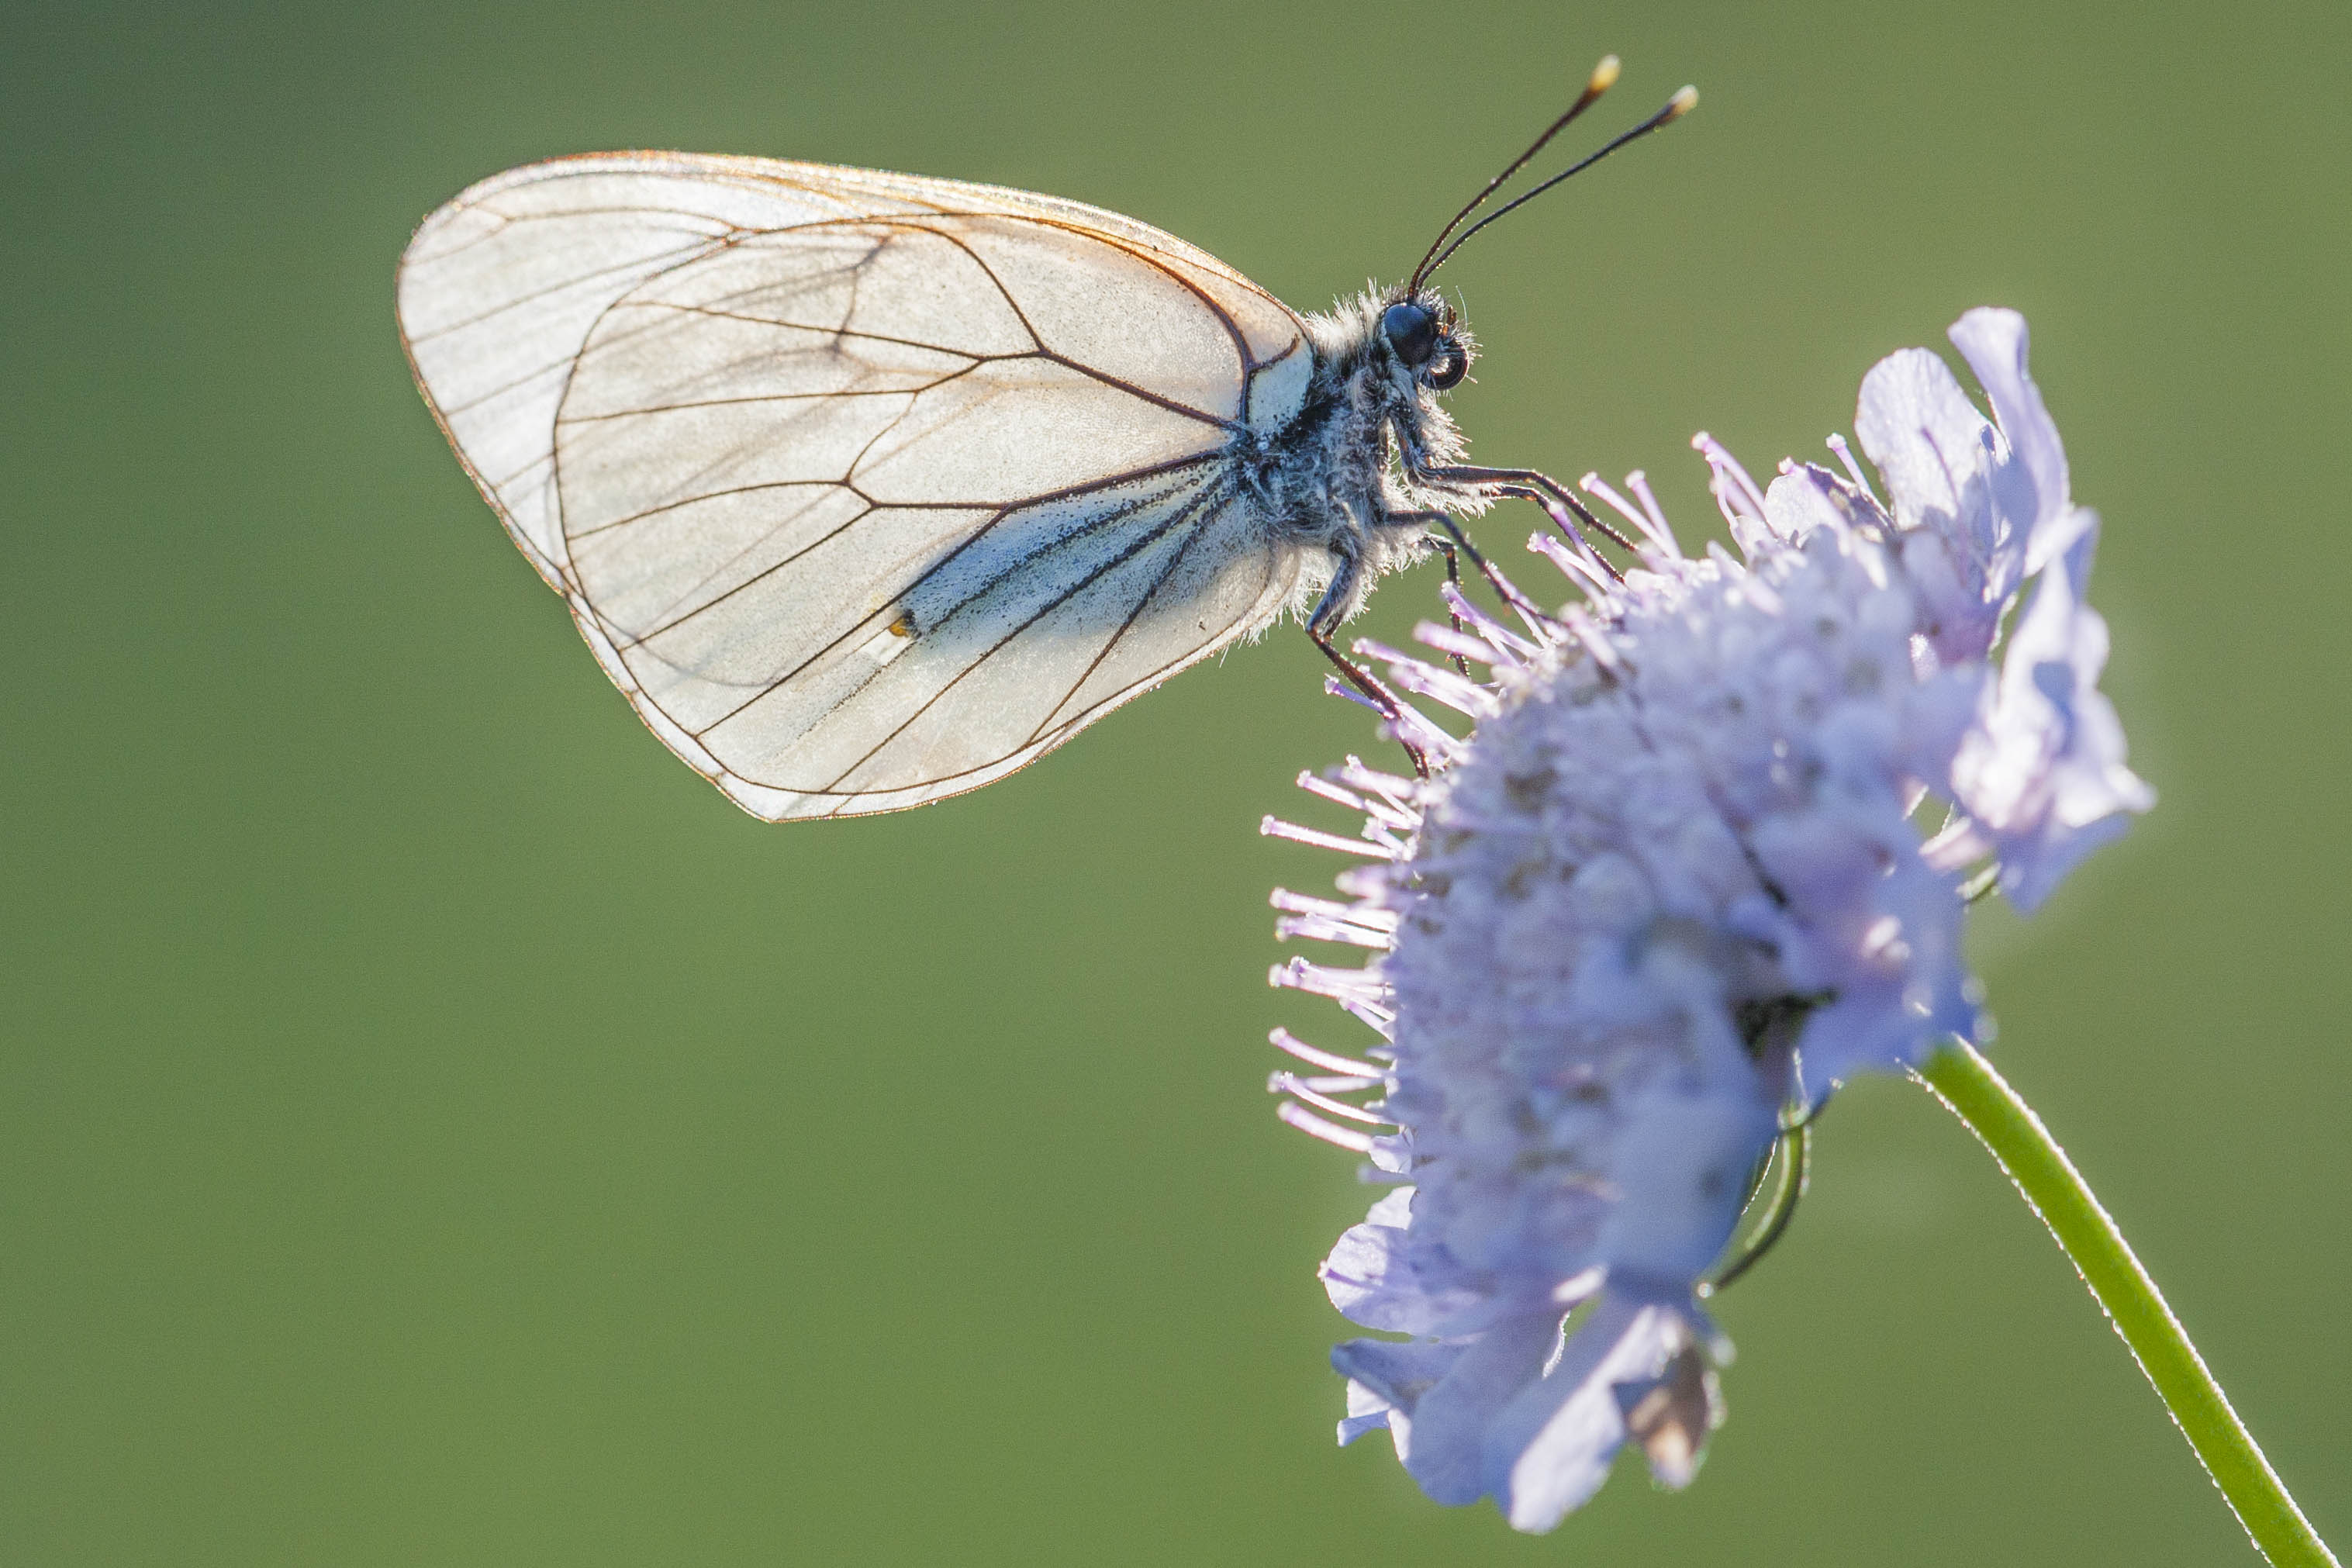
x: 1666, y: 893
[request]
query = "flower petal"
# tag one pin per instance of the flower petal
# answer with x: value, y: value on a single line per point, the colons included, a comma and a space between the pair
x: 1994, y: 342
x: 1808, y: 498
x: 1927, y: 439
x: 1369, y: 1275
x: 1551, y: 1449
x: 1386, y: 1381
x: 2044, y: 773
x: 1368, y: 1411
x: 1450, y: 1421
x: 1950, y: 473
x: 1681, y: 1167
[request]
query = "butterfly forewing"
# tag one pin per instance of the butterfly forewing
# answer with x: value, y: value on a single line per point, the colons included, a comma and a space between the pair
x: 866, y: 488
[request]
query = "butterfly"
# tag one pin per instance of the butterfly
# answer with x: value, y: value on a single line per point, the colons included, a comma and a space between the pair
x: 868, y: 488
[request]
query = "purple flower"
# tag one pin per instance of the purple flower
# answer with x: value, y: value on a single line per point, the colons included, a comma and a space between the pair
x: 1665, y: 894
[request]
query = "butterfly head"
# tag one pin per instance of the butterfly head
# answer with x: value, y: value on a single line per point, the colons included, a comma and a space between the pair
x: 1428, y: 340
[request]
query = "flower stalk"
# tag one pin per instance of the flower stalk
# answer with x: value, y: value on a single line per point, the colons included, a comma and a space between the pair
x: 2054, y: 1190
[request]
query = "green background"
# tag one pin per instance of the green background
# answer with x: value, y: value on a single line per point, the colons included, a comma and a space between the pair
x: 435, y: 1128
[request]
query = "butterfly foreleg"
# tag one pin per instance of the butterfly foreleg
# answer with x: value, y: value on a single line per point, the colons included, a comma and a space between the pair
x: 1568, y: 514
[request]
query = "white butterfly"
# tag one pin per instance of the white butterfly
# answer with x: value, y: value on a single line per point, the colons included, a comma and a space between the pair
x: 868, y: 488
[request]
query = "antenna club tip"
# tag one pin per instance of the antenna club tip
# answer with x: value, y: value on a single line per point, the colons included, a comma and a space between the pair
x: 1682, y: 103
x: 1605, y: 74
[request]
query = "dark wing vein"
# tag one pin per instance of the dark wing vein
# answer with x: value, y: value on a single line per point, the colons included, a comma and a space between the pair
x: 1143, y: 603
x: 1164, y: 518
x: 774, y: 397
x: 1089, y: 525
x: 1142, y: 541
x: 708, y: 244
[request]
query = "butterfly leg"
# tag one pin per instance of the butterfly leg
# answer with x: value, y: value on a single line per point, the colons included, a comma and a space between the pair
x: 1452, y: 542
x: 1568, y: 514
x: 1453, y: 575
x: 1450, y: 547
x: 1384, y: 701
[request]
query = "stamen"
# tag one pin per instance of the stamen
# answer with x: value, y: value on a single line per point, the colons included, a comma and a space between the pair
x: 1460, y: 645
x: 1395, y: 788
x: 1370, y: 916
x: 1353, y: 1083
x: 1581, y: 627
x: 1736, y: 495
x: 1566, y: 522
x: 1639, y: 483
x: 1365, y: 882
x: 1335, y: 686
x: 1306, y: 903
x: 1594, y: 484
x: 1283, y: 1040
x: 1315, y: 786
x: 1275, y: 827
x: 1314, y: 1126
x: 1720, y: 460
x: 1412, y: 727
x: 1428, y: 681
x: 1541, y: 625
x: 1378, y: 810
x: 1853, y: 469
x: 1504, y: 589
x: 1493, y: 630
x: 1289, y: 1083
x: 1342, y: 985
x: 1586, y: 579
x: 1465, y: 697
x: 1323, y: 928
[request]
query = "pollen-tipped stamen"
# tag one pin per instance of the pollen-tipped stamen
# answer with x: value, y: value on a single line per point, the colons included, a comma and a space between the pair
x: 1579, y: 572
x: 1852, y: 471
x: 1275, y: 827
x: 1316, y: 1056
x: 1314, y: 1126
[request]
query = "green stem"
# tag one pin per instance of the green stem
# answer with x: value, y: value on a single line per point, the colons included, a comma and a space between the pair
x: 2056, y: 1192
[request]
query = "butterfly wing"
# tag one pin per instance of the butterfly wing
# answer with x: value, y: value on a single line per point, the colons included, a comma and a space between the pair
x: 866, y: 488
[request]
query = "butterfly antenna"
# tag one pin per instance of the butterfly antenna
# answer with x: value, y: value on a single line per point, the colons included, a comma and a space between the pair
x: 1682, y: 103
x: 1604, y: 77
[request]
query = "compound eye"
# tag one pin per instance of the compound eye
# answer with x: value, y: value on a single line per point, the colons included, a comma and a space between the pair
x: 1412, y: 331
x: 1452, y: 365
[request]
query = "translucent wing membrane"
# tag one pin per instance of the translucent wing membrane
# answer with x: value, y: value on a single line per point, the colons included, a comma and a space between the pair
x: 867, y: 489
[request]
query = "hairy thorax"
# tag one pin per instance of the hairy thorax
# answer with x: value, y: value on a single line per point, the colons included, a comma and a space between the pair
x: 1338, y: 483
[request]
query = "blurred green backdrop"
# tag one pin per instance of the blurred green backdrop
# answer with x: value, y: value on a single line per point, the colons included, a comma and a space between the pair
x: 435, y: 1128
